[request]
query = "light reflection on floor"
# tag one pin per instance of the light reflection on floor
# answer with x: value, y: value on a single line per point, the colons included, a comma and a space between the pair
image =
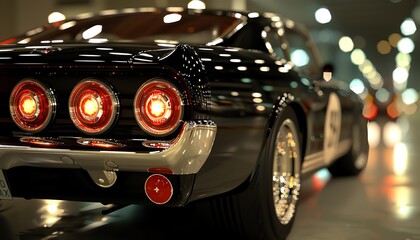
x: 382, y: 203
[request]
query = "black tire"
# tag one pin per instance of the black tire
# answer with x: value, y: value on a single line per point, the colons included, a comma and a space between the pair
x: 251, y: 214
x: 355, y: 160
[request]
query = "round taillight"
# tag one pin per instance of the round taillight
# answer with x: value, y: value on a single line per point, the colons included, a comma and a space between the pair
x: 32, y: 105
x: 93, y: 106
x: 158, y: 107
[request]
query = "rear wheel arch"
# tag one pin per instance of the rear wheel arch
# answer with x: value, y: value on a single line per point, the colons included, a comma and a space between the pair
x: 266, y: 207
x: 284, y: 103
x: 303, y: 125
x: 278, y: 109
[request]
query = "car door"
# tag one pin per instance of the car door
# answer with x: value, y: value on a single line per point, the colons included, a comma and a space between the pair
x: 325, y: 113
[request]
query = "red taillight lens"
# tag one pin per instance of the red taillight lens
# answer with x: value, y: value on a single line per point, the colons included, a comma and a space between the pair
x: 93, y: 106
x: 32, y: 105
x: 158, y: 107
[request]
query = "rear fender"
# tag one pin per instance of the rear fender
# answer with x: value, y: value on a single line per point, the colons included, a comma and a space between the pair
x: 188, y: 72
x: 284, y: 101
x: 187, y: 62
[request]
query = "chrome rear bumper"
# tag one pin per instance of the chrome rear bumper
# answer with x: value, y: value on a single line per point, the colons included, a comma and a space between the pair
x: 185, y: 155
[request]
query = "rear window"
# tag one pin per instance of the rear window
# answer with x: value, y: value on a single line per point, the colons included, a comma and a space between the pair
x: 172, y: 27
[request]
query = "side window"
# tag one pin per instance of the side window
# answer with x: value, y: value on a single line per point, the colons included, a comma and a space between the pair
x: 301, y: 53
x: 274, y: 42
x: 247, y: 38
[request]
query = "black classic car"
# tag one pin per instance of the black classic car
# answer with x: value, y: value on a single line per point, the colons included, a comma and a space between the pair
x: 172, y: 107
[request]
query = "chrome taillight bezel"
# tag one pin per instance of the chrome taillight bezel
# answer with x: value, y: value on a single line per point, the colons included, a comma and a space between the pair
x: 108, y: 106
x: 169, y: 93
x: 44, y: 102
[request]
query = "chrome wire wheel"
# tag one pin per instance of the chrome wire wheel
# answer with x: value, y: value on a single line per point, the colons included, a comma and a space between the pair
x: 286, y: 171
x: 266, y: 207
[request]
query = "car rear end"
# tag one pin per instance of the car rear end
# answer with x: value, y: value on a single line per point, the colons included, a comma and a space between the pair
x: 113, y: 123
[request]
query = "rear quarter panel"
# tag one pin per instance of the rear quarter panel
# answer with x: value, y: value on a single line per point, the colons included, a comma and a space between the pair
x: 246, y: 86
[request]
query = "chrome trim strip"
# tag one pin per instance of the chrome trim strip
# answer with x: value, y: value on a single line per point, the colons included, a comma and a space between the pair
x: 317, y: 160
x: 187, y: 154
x: 312, y: 162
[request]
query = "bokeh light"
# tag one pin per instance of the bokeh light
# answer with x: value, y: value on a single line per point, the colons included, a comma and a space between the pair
x: 410, y: 96
x: 383, y: 47
x: 408, y: 27
x: 400, y: 75
x: 56, y: 17
x: 346, y: 44
x: 323, y: 15
x: 403, y: 60
x: 357, y: 86
x: 382, y: 95
x: 394, y: 39
x: 406, y: 45
x: 358, y: 56
x: 196, y: 4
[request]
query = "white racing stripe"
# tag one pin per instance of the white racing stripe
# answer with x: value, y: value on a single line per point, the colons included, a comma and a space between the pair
x: 317, y: 160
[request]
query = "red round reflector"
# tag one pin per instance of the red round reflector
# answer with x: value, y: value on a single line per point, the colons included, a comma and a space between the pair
x: 93, y: 106
x: 32, y: 105
x: 158, y: 107
x: 158, y: 189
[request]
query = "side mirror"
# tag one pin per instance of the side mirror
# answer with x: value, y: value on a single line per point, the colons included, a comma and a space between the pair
x: 327, y: 72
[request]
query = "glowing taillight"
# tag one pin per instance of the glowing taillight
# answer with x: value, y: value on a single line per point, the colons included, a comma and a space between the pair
x: 158, y: 107
x: 90, y: 106
x: 93, y: 106
x: 28, y: 106
x: 32, y: 105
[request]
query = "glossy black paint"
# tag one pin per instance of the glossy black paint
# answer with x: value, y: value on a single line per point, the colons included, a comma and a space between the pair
x: 223, y: 83
x: 75, y: 185
x: 124, y: 73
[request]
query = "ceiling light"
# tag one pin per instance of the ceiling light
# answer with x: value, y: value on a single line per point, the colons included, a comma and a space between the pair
x: 56, y: 17
x: 403, y: 59
x: 196, y: 4
x: 410, y: 96
x: 346, y: 44
x: 406, y: 45
x: 357, y: 86
x: 408, y: 27
x: 400, y: 75
x: 323, y: 15
x: 299, y: 57
x: 357, y: 56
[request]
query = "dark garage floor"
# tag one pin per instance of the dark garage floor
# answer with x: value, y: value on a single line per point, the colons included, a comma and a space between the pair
x: 383, y: 203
